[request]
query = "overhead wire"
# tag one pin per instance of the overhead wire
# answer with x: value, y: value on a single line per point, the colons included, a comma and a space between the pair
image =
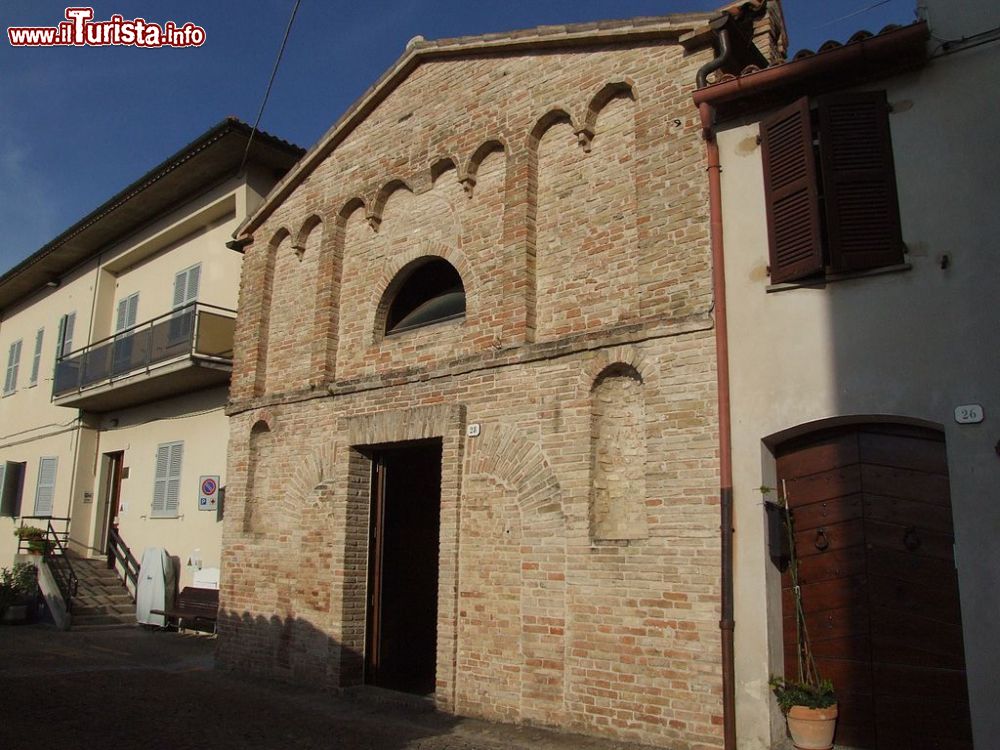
x: 853, y: 13
x: 270, y: 83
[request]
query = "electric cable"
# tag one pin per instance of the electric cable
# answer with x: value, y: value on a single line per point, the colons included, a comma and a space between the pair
x: 270, y: 83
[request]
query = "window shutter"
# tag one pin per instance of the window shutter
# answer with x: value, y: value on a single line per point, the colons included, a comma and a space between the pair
x: 64, y: 344
x: 180, y: 289
x: 36, y: 360
x: 859, y: 181
x: 128, y: 309
x: 13, y: 364
x: 122, y: 316
x: 133, y: 310
x: 790, y: 192
x: 174, y: 478
x: 167, y: 485
x: 194, y: 282
x: 160, y: 482
x: 186, y: 285
x: 45, y: 490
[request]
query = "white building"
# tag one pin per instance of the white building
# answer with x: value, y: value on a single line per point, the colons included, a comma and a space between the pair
x: 116, y: 344
x: 859, y: 224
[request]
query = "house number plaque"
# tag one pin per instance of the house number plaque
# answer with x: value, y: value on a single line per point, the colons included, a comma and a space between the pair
x: 969, y: 414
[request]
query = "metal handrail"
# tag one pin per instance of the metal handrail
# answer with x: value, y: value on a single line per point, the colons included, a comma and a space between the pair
x: 119, y: 551
x: 152, y: 343
x: 143, y: 324
x: 24, y: 543
x: 62, y: 569
x: 52, y: 545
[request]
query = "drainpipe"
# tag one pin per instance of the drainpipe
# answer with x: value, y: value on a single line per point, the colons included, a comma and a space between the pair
x: 727, y: 622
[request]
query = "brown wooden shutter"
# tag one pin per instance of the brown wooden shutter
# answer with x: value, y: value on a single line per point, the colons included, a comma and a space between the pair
x: 790, y: 190
x: 859, y: 181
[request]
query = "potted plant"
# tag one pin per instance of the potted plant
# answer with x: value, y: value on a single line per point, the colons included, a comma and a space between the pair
x: 18, y: 592
x: 808, y: 702
x: 35, y: 539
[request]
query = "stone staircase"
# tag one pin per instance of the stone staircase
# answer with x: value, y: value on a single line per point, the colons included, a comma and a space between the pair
x: 102, y: 602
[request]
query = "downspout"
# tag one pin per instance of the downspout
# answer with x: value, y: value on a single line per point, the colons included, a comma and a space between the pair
x: 727, y: 622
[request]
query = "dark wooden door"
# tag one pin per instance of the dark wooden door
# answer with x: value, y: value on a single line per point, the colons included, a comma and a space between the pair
x: 873, y: 532
x: 401, y: 647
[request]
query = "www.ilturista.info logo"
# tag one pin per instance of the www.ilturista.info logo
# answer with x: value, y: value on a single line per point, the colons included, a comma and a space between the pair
x: 80, y: 30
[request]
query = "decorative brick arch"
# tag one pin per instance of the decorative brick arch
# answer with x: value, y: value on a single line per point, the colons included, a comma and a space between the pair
x: 441, y: 165
x: 262, y: 324
x: 504, y: 455
x: 392, y: 277
x: 607, y: 358
x: 377, y: 207
x: 503, y: 465
x: 306, y: 228
x: 467, y: 175
x: 623, y: 89
x: 309, y: 483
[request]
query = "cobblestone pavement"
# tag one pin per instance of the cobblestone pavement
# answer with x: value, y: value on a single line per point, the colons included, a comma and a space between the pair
x: 135, y: 688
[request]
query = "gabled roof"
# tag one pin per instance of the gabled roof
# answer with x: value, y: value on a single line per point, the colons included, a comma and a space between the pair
x: 689, y: 29
x: 212, y: 156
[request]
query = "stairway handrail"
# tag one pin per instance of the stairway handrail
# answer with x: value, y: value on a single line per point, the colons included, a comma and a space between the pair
x: 118, y: 550
x: 66, y: 579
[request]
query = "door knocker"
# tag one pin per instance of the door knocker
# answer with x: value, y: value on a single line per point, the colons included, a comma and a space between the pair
x: 822, y: 541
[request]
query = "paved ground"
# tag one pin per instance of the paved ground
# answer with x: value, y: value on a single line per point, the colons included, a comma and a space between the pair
x: 135, y: 688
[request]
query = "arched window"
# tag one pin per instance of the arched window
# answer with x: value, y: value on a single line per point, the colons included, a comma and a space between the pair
x: 429, y: 292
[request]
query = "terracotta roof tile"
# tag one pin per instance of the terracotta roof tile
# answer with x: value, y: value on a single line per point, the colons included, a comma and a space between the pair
x: 827, y: 46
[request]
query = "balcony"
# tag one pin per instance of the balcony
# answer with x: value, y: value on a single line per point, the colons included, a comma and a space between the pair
x: 182, y: 351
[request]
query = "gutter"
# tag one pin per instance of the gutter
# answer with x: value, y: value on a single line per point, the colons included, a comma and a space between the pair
x: 727, y: 623
x: 898, y: 49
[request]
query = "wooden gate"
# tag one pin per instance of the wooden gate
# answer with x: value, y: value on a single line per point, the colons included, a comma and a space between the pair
x: 873, y: 532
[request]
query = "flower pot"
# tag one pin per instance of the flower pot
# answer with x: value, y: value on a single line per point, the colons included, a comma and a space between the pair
x: 812, y: 728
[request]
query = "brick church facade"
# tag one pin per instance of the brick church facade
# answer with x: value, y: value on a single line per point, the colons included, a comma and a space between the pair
x: 474, y: 446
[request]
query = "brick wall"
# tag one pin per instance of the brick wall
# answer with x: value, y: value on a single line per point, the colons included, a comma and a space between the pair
x: 578, y: 562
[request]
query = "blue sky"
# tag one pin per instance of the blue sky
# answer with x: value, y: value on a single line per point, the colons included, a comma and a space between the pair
x: 77, y: 124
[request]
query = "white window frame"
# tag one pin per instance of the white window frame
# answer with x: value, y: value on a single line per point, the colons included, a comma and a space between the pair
x: 168, y: 468
x: 13, y: 365
x: 44, y: 488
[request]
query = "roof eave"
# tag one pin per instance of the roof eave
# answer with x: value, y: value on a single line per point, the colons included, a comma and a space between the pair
x: 73, y: 246
x: 875, y: 57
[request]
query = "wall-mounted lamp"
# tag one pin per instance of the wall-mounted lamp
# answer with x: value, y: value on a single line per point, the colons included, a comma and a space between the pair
x: 52, y: 283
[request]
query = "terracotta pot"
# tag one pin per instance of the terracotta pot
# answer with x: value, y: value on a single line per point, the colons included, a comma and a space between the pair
x: 812, y: 728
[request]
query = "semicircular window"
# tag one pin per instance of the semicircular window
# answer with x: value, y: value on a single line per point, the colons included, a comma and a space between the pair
x: 432, y: 292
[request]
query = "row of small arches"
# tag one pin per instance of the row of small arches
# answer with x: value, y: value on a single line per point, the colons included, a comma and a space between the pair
x: 466, y: 171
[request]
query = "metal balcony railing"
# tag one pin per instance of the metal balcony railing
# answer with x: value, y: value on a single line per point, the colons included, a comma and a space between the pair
x: 196, y: 330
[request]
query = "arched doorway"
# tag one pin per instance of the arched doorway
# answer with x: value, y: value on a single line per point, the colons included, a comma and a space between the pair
x: 873, y: 532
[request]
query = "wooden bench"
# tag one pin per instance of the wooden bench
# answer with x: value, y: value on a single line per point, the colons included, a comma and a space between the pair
x: 199, y: 606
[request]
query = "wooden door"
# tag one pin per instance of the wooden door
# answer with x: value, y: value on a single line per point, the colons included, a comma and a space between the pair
x: 401, y: 643
x: 112, y: 498
x: 873, y: 532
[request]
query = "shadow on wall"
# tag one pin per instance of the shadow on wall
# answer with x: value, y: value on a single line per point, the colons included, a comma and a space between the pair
x: 293, y: 650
